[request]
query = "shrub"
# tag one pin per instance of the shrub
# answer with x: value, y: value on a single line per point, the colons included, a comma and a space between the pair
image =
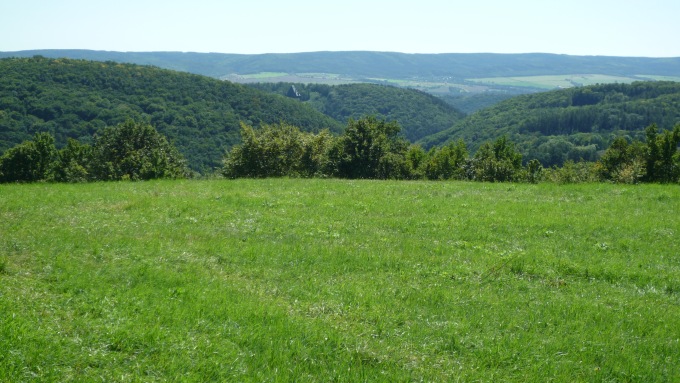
x: 135, y: 151
x: 29, y: 161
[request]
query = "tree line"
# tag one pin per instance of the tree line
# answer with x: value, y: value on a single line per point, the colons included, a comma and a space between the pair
x: 128, y: 151
x: 369, y: 148
x: 373, y: 149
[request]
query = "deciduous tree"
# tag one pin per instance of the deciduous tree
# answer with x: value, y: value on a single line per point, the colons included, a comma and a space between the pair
x: 29, y: 161
x: 135, y: 151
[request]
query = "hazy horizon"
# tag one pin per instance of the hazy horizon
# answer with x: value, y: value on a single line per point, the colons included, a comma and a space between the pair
x: 270, y: 53
x: 623, y: 28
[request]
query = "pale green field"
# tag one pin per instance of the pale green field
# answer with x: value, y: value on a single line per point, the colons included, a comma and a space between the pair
x: 305, y: 78
x: 292, y: 280
x: 661, y: 78
x: 472, y: 85
x: 264, y: 75
x: 560, y: 81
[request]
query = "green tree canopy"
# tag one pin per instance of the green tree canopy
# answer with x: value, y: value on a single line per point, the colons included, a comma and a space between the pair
x: 29, y: 161
x: 497, y: 162
x: 135, y: 151
x: 372, y: 148
x: 277, y: 150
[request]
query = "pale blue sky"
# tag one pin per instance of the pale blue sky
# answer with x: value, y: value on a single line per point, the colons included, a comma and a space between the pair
x: 578, y: 27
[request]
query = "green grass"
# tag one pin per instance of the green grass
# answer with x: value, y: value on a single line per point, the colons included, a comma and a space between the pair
x: 329, y: 280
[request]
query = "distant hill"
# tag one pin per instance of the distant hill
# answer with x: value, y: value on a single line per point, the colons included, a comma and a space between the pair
x: 75, y: 98
x: 573, y: 123
x: 418, y: 113
x: 467, y: 81
x: 381, y: 64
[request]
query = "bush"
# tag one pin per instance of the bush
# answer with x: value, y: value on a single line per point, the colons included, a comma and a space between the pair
x: 278, y: 150
x: 497, y: 162
x: 73, y: 162
x: 574, y: 172
x: 372, y: 149
x: 135, y: 151
x: 29, y: 161
x: 447, y: 162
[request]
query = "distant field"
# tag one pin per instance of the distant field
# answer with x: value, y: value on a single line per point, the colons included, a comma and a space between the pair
x: 440, y: 86
x: 564, y: 81
x: 661, y: 78
x: 433, y: 86
x: 263, y: 75
x: 331, y: 280
x: 316, y: 78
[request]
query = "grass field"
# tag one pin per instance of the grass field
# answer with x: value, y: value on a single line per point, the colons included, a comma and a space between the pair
x: 348, y: 281
x: 441, y: 86
x: 559, y: 81
x: 305, y: 78
x: 264, y: 76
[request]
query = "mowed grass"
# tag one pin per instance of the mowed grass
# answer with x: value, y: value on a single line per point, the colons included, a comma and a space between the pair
x: 332, y: 280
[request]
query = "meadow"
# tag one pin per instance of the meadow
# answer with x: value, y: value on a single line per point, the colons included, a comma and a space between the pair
x: 470, y: 85
x: 282, y: 280
x: 557, y: 81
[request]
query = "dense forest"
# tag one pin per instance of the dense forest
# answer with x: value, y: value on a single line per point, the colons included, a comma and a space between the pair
x: 418, y: 113
x: 77, y: 99
x: 570, y: 124
x: 470, y: 103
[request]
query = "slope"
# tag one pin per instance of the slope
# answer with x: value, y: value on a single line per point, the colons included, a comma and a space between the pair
x: 570, y: 124
x: 201, y: 115
x: 381, y: 64
x: 418, y: 113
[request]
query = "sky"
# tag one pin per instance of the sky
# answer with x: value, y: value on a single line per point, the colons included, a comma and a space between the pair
x: 645, y: 28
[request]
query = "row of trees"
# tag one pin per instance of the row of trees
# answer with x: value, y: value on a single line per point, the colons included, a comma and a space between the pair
x: 128, y: 151
x: 369, y: 148
x: 372, y: 148
x: 655, y: 160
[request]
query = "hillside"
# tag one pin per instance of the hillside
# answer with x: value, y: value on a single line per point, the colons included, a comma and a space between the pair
x: 572, y: 123
x: 419, y: 114
x: 467, y: 81
x: 74, y: 98
x: 381, y: 64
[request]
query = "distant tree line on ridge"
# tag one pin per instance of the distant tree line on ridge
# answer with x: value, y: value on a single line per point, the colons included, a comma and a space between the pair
x: 369, y: 148
x: 570, y: 124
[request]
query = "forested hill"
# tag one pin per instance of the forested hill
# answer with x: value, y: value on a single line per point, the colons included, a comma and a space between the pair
x: 418, y: 113
x: 572, y: 123
x: 380, y: 64
x: 200, y: 115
